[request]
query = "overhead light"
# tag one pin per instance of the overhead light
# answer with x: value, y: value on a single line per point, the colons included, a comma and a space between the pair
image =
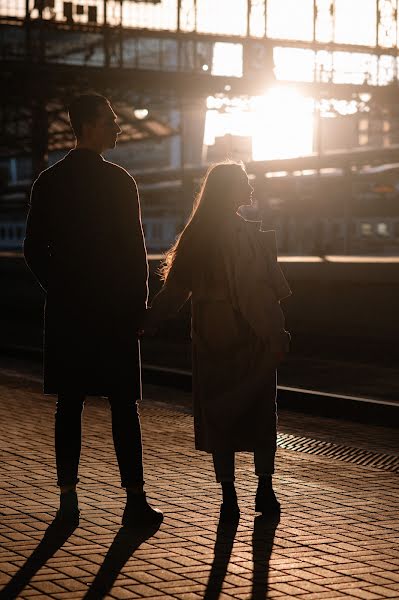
x: 227, y: 88
x: 205, y: 67
x: 140, y: 113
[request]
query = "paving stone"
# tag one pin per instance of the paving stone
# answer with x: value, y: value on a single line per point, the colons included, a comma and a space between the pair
x: 386, y: 592
x: 363, y: 594
x: 337, y: 537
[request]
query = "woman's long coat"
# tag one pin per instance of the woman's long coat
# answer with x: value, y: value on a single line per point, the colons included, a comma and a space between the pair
x: 84, y: 242
x: 237, y: 325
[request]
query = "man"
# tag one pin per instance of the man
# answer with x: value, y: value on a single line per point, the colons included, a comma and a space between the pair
x: 84, y: 243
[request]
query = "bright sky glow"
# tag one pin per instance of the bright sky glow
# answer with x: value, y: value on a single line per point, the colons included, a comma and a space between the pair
x: 353, y: 22
x: 227, y: 59
x: 283, y: 125
x: 280, y: 123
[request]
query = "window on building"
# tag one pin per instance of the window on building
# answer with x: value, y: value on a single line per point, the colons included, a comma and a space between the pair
x: 383, y: 229
x: 156, y: 231
x: 335, y: 230
x: 366, y: 229
x: 24, y: 168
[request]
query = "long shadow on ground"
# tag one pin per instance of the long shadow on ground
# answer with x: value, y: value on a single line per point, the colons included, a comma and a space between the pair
x: 225, y: 535
x: 262, y: 544
x: 125, y: 543
x: 55, y: 536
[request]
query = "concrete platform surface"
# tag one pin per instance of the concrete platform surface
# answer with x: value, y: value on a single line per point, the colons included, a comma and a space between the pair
x: 338, y: 535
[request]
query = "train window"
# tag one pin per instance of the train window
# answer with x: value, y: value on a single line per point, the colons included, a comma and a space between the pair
x: 366, y: 229
x: 336, y: 230
x: 157, y: 231
x: 383, y: 229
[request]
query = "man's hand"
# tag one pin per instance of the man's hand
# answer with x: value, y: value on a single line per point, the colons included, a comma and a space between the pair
x: 146, y: 326
x: 149, y: 330
x: 278, y: 358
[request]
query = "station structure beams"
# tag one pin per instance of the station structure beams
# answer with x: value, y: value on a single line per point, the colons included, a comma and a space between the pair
x: 164, y: 52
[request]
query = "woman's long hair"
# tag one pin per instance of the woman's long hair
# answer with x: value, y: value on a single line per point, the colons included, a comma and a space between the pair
x: 210, y: 209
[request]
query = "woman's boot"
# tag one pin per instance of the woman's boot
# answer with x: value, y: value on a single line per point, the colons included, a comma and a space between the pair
x: 229, y: 511
x: 266, y: 501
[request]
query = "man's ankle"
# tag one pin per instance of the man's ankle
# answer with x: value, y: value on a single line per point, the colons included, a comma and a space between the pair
x: 64, y: 489
x: 135, y: 490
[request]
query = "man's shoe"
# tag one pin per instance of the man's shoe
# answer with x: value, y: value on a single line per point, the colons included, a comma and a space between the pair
x: 139, y: 515
x: 68, y: 512
x: 265, y: 500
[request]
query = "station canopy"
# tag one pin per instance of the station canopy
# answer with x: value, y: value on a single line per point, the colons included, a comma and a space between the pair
x: 136, y: 125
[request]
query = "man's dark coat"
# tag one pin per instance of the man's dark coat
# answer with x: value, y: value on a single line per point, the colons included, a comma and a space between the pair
x: 84, y: 243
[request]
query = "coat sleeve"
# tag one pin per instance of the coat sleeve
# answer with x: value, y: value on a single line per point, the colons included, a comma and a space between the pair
x: 178, y: 286
x: 37, y: 240
x: 137, y: 241
x: 167, y: 303
x: 141, y: 248
x: 254, y: 296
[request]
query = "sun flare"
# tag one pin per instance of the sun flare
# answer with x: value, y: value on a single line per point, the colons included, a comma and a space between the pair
x: 280, y: 123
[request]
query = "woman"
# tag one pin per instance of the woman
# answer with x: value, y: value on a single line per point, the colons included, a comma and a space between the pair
x: 229, y: 268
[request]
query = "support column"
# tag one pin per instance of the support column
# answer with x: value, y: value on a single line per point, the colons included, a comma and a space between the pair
x: 28, y: 48
x: 106, y: 37
x: 347, y: 211
x: 39, y: 136
x: 121, y: 45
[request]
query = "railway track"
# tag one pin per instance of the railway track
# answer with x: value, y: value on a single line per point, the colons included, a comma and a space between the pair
x: 300, y: 439
x: 367, y: 410
x: 357, y: 408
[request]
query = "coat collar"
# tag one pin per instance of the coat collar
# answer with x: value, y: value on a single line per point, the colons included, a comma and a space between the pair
x: 84, y: 154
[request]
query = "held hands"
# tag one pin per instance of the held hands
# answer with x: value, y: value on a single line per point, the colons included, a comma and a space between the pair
x: 278, y: 358
x: 150, y: 331
x: 146, y: 326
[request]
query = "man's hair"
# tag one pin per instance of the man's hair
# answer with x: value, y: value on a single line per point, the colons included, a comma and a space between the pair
x: 83, y: 109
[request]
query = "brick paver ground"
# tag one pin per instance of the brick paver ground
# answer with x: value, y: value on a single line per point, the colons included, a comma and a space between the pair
x: 338, y: 536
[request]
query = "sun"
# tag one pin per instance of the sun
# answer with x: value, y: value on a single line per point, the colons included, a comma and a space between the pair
x: 282, y: 125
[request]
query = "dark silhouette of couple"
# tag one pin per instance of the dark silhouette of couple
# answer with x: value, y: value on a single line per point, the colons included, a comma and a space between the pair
x: 85, y: 245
